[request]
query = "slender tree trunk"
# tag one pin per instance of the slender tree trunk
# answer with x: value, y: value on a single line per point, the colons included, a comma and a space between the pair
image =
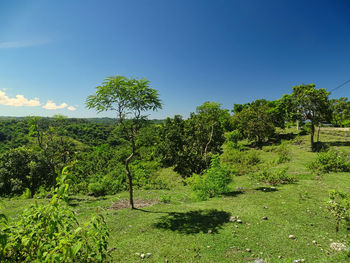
x: 297, y: 125
x: 207, y: 145
x: 318, y: 132
x: 312, y: 136
x: 127, y: 170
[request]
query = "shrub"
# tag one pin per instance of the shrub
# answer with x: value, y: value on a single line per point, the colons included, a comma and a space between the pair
x: 165, y: 199
x: 339, y: 207
x: 214, y: 181
x: 233, y: 137
x: 274, y: 176
x: 97, y: 189
x: 283, y: 154
x: 298, y: 140
x: 51, y: 233
x: 330, y: 161
x: 242, y: 162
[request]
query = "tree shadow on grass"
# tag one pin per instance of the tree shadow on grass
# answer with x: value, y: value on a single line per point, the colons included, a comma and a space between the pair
x: 233, y: 193
x: 266, y: 189
x: 194, y: 222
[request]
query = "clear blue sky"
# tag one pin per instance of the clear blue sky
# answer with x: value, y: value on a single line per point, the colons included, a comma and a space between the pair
x: 192, y: 51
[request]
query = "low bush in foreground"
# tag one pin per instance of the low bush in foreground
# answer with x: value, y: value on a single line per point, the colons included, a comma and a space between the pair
x: 213, y: 182
x: 339, y: 207
x: 330, y: 161
x: 273, y: 176
x: 51, y: 233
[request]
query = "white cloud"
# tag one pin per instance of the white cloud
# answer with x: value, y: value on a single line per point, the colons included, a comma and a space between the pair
x: 25, y: 43
x: 19, y: 100
x: 71, y: 108
x: 50, y: 105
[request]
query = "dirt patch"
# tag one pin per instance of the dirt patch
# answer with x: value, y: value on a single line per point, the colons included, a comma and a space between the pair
x: 138, y: 203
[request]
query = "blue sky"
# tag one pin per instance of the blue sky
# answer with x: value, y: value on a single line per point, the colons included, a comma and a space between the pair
x: 54, y: 53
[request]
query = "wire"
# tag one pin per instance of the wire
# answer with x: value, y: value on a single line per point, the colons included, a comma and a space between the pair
x: 340, y: 85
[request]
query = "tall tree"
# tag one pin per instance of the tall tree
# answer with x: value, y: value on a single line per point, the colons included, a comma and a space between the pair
x: 340, y: 110
x: 311, y: 104
x: 129, y: 98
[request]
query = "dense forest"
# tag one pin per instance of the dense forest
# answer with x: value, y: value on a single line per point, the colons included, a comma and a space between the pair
x: 99, y: 157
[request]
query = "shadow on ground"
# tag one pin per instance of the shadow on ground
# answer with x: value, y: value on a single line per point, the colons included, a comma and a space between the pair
x: 233, y: 193
x: 266, y: 189
x: 194, y: 222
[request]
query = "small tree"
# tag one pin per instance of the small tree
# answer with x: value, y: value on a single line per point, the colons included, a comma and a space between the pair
x: 255, y: 124
x: 311, y: 104
x: 129, y: 97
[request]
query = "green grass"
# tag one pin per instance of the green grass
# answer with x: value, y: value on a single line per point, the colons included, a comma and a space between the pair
x: 188, y: 231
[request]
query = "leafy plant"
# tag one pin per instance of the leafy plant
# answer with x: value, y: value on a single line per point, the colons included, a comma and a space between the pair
x: 330, y: 161
x: 51, y: 233
x: 213, y: 182
x: 339, y: 207
x: 241, y: 162
x: 274, y: 176
x: 283, y: 154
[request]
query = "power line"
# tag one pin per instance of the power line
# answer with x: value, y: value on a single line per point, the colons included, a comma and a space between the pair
x: 340, y: 85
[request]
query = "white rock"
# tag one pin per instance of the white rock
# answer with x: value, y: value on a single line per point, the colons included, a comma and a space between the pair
x: 149, y: 255
x: 142, y: 256
x: 337, y: 246
x: 291, y: 236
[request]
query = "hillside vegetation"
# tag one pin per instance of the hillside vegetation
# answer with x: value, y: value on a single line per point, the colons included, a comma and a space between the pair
x: 266, y: 182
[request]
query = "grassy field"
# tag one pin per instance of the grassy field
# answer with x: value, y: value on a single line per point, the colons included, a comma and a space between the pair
x: 184, y: 230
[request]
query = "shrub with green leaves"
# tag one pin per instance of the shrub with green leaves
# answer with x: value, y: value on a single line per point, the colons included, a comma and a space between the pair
x: 241, y: 162
x: 214, y: 181
x: 233, y: 137
x: 274, y: 176
x: 283, y: 154
x: 339, y: 207
x: 51, y: 233
x: 330, y: 161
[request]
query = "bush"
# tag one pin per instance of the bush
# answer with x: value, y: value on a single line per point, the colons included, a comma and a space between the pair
x: 214, y: 181
x: 233, y: 137
x: 241, y: 162
x: 97, y: 189
x: 331, y: 161
x: 51, y: 233
x: 339, y: 207
x: 283, y: 154
x: 274, y: 176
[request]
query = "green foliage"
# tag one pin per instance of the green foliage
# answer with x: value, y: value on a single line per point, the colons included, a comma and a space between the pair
x: 274, y: 176
x: 241, y: 162
x: 97, y: 189
x: 311, y: 104
x: 22, y: 169
x: 340, y: 111
x: 283, y: 153
x: 129, y: 97
x: 255, y: 124
x: 339, y: 207
x: 51, y: 233
x: 330, y: 161
x: 165, y: 199
x: 26, y: 194
x: 188, y: 145
x: 233, y: 137
x: 214, y: 181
